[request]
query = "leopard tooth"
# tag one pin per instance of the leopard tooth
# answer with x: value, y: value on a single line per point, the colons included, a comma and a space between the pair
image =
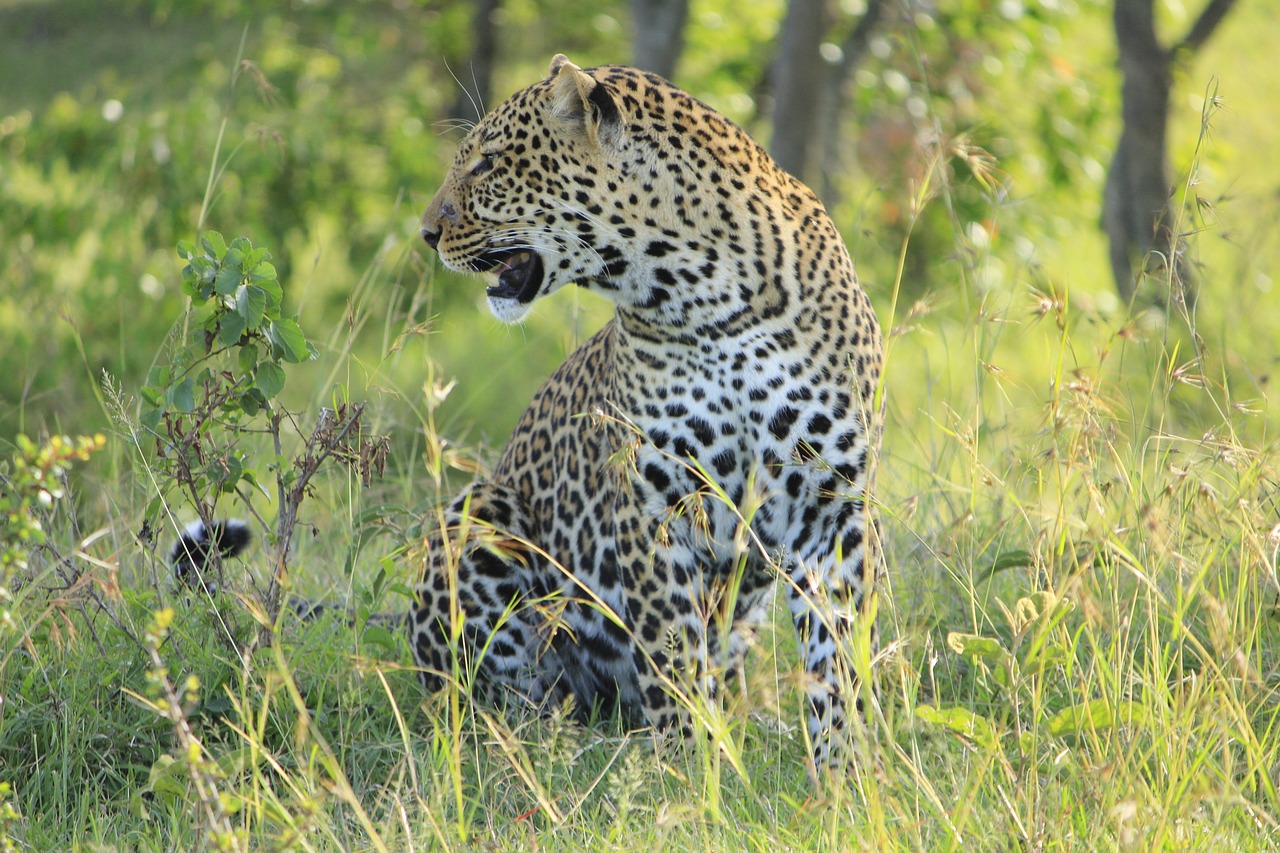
x: 516, y: 260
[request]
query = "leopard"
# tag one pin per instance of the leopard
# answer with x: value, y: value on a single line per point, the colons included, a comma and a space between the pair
x: 714, y: 442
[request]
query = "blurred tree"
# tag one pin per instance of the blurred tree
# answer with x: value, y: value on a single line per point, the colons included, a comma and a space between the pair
x: 658, y: 34
x: 811, y: 86
x: 1136, y: 211
x: 837, y: 95
x: 476, y: 79
x: 799, y: 76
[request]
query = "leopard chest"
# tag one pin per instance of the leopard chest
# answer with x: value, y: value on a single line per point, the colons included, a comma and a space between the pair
x: 731, y: 429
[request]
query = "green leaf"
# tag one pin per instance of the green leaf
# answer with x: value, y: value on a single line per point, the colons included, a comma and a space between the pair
x: 263, y: 271
x: 186, y: 249
x: 212, y: 243
x: 251, y: 303
x: 235, y: 254
x: 1006, y: 560
x: 168, y: 779
x: 270, y: 379
x: 274, y: 294
x: 962, y: 721
x: 250, y: 476
x: 216, y: 704
x: 150, y: 419
x: 194, y: 285
x: 158, y: 375
x: 138, y: 804
x: 288, y: 342
x: 206, y: 265
x: 1043, y: 606
x: 1096, y: 714
x: 252, y: 402
x: 234, y: 763
x: 248, y: 358
x: 230, y: 329
x: 380, y: 636
x: 977, y: 647
x: 227, y: 281
x: 182, y: 397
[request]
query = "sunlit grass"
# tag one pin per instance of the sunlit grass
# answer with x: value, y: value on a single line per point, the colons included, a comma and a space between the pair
x: 1079, y: 622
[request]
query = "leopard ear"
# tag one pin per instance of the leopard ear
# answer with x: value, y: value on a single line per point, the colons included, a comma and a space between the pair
x: 557, y: 62
x: 579, y: 99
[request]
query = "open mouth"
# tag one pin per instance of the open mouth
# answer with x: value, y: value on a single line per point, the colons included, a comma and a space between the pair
x: 520, y: 273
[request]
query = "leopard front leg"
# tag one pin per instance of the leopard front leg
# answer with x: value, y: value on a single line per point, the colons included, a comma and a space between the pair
x: 669, y: 638
x: 477, y: 614
x: 691, y: 619
x: 828, y: 593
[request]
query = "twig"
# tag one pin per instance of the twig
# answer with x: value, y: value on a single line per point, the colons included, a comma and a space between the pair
x: 1204, y: 26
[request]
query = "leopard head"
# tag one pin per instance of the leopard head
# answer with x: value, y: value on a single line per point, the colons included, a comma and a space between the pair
x: 521, y: 201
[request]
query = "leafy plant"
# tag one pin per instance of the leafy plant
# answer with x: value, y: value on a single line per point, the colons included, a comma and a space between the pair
x: 1015, y: 670
x: 203, y: 776
x: 224, y: 379
x: 239, y: 284
x: 32, y: 482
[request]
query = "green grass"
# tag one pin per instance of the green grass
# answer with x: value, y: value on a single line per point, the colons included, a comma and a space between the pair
x: 1081, y: 625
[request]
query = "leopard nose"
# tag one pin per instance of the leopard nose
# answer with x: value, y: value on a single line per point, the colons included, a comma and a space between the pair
x: 431, y: 235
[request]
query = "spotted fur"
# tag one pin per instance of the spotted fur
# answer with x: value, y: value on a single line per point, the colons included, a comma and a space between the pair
x: 600, y: 559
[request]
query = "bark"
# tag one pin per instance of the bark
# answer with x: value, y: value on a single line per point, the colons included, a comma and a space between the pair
x: 476, y: 78
x: 658, y: 34
x: 1205, y: 25
x: 800, y: 76
x: 1137, y: 214
x: 836, y: 96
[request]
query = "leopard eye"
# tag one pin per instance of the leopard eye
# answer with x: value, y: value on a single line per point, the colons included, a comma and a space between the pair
x: 485, y: 165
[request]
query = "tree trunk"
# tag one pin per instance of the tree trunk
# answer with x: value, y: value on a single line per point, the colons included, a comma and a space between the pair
x: 1136, y: 211
x: 658, y: 34
x: 800, y: 76
x: 836, y: 96
x: 476, y: 79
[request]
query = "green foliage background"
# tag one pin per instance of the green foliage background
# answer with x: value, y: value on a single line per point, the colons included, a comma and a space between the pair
x: 338, y: 133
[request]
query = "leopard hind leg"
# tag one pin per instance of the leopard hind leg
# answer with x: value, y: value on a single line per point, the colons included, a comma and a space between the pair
x: 481, y: 613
